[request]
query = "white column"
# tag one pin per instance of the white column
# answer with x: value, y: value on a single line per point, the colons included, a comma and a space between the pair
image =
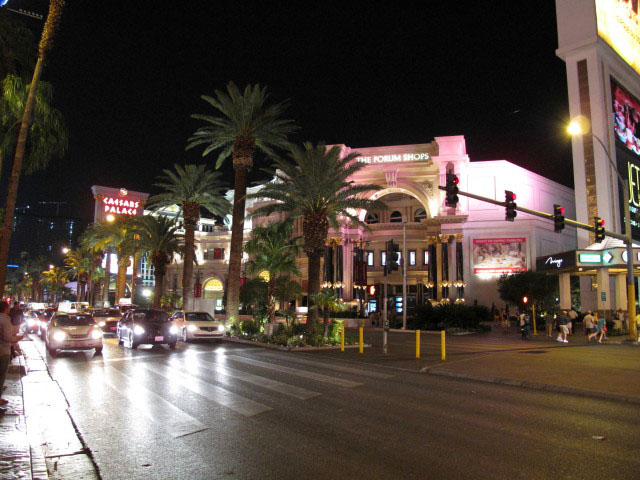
x: 603, y: 290
x: 565, y: 290
x: 621, y: 292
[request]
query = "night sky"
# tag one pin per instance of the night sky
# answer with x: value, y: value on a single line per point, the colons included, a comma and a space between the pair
x: 127, y: 79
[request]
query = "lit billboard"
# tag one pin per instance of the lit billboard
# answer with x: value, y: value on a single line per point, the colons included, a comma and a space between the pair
x: 626, y: 127
x: 499, y: 255
x: 618, y: 25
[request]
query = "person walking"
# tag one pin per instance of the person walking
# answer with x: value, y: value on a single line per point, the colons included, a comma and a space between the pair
x: 602, y: 329
x: 7, y: 339
x: 526, y: 326
x: 572, y: 320
x: 548, y: 323
x: 589, y: 326
x: 562, y: 325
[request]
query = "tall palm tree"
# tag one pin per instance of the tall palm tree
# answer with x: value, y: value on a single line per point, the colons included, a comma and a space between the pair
x: 314, y: 185
x: 272, y: 249
x: 46, y: 43
x: 54, y: 280
x: 158, y: 239
x: 241, y: 124
x: 79, y: 265
x: 191, y: 188
x: 34, y: 268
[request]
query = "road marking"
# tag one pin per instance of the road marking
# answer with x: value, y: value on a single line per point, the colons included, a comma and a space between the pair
x: 151, y: 405
x: 284, y: 388
x: 330, y: 366
x: 216, y: 394
x: 299, y: 373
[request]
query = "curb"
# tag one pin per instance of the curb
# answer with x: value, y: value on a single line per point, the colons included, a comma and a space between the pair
x: 533, y: 385
x: 286, y: 349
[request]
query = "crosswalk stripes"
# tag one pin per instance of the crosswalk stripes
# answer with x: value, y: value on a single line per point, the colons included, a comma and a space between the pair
x: 152, y: 406
x: 216, y: 394
x: 293, y: 371
x: 274, y: 385
x: 330, y: 366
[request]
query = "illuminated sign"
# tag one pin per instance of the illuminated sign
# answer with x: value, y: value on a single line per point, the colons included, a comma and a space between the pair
x: 618, y: 25
x: 120, y: 206
x: 556, y: 261
x: 499, y: 255
x: 399, y: 157
x: 590, y: 258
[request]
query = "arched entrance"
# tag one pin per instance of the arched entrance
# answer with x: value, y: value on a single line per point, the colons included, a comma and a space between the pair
x: 213, y: 291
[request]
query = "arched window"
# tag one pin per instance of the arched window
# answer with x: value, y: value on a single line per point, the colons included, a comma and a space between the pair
x: 395, y: 217
x: 212, y: 288
x: 372, y: 218
x: 420, y: 214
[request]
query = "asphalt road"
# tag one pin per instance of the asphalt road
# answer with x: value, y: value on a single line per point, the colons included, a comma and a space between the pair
x: 208, y: 411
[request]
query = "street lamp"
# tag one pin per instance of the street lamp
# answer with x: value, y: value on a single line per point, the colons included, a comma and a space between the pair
x: 575, y: 128
x: 110, y: 218
x: 65, y: 250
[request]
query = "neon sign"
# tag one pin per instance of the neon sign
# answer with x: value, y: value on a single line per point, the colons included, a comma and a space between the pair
x: 405, y: 157
x: 120, y: 206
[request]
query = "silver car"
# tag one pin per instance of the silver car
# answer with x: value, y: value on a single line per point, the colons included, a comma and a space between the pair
x: 197, y: 326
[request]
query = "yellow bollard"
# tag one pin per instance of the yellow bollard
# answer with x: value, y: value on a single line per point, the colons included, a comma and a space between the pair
x: 342, y: 338
x: 361, y: 340
x: 417, y: 343
x: 442, y: 345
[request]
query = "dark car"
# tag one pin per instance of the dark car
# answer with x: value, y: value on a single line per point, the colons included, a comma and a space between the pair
x: 107, y: 319
x: 146, y: 326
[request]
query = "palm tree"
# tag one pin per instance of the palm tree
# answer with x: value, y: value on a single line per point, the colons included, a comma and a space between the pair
x: 54, y: 280
x: 326, y: 301
x: 46, y: 43
x: 272, y: 249
x: 34, y: 268
x: 191, y: 188
x: 158, y: 239
x: 315, y: 186
x: 79, y: 265
x: 242, y: 124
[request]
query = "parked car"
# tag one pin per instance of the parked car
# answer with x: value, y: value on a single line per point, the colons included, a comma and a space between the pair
x: 73, y: 331
x: 146, y: 326
x: 31, y: 321
x: 197, y: 325
x: 107, y: 319
x: 45, y: 318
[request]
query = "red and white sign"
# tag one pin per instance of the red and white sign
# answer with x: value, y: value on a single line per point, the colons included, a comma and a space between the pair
x: 499, y: 255
x: 120, y: 206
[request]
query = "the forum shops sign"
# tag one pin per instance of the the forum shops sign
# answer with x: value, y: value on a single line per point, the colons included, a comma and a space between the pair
x: 394, y: 157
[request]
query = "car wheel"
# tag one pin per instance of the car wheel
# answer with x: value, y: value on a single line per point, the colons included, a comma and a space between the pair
x: 99, y: 351
x: 132, y: 345
x: 185, y: 336
x: 52, y: 351
x: 172, y: 346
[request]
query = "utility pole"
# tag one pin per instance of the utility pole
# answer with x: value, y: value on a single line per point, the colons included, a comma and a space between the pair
x: 404, y: 272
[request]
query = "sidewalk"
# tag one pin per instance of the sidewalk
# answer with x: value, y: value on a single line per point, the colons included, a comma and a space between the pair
x: 609, y: 371
x: 37, y: 438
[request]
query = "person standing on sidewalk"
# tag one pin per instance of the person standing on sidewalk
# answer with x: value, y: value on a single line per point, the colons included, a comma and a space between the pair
x: 548, y: 323
x: 572, y: 320
x: 7, y: 339
x: 587, y: 321
x: 562, y: 325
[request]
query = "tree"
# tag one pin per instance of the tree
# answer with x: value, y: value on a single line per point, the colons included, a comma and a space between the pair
x: 540, y: 288
x: 253, y: 293
x: 271, y: 249
x: 17, y: 46
x: 46, y: 43
x: 34, y: 269
x: 158, y: 239
x: 242, y: 124
x: 79, y: 266
x: 54, y: 280
x: 191, y: 188
x: 326, y: 301
x: 314, y: 185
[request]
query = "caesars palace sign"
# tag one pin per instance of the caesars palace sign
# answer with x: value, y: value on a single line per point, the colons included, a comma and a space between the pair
x: 390, y: 158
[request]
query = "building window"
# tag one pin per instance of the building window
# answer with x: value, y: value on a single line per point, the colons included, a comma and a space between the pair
x: 372, y: 218
x: 369, y: 258
x: 213, y: 254
x: 425, y: 257
x: 396, y: 217
x: 420, y: 214
x: 412, y: 257
x: 383, y: 258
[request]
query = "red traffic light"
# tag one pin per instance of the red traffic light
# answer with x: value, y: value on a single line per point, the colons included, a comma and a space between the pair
x: 513, y: 195
x: 525, y: 299
x: 602, y: 222
x: 561, y: 210
x: 371, y: 289
x: 456, y: 180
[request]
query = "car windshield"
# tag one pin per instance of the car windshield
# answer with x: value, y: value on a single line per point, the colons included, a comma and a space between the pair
x: 73, y: 321
x: 111, y: 312
x: 198, y: 317
x: 155, y: 316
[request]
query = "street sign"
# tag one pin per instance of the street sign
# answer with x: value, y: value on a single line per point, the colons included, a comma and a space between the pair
x: 603, y: 296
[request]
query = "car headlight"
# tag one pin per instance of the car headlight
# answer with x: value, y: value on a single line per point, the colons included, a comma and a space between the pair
x: 96, y: 333
x: 59, y: 336
x: 221, y: 328
x: 102, y: 324
x: 192, y: 328
x: 173, y: 330
x: 138, y: 330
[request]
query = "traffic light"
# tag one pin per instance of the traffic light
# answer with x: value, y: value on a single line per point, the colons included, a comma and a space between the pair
x: 599, y: 229
x: 393, y: 255
x: 525, y: 300
x: 558, y: 218
x: 510, y: 209
x: 452, y: 189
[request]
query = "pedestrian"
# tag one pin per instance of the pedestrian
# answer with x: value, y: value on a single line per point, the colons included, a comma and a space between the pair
x: 16, y: 320
x: 602, y: 329
x: 589, y: 326
x: 506, y: 324
x: 562, y: 320
x: 7, y: 338
x: 548, y: 323
x: 572, y: 320
x: 526, y: 326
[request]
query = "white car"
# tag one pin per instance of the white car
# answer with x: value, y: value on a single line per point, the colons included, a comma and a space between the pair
x: 197, y: 325
x: 73, y: 331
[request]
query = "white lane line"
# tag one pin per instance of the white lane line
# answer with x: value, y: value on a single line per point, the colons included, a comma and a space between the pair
x: 330, y: 366
x: 284, y: 388
x: 216, y: 394
x: 152, y: 406
x: 292, y: 371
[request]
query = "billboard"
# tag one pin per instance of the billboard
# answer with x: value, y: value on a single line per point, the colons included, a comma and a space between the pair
x: 499, y: 255
x: 626, y: 127
x: 618, y: 25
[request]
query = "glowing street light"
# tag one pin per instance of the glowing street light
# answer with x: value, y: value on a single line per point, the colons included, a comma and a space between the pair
x: 65, y: 250
x: 50, y: 267
x: 110, y: 218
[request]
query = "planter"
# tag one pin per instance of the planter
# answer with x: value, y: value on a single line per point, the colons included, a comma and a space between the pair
x: 285, y: 348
